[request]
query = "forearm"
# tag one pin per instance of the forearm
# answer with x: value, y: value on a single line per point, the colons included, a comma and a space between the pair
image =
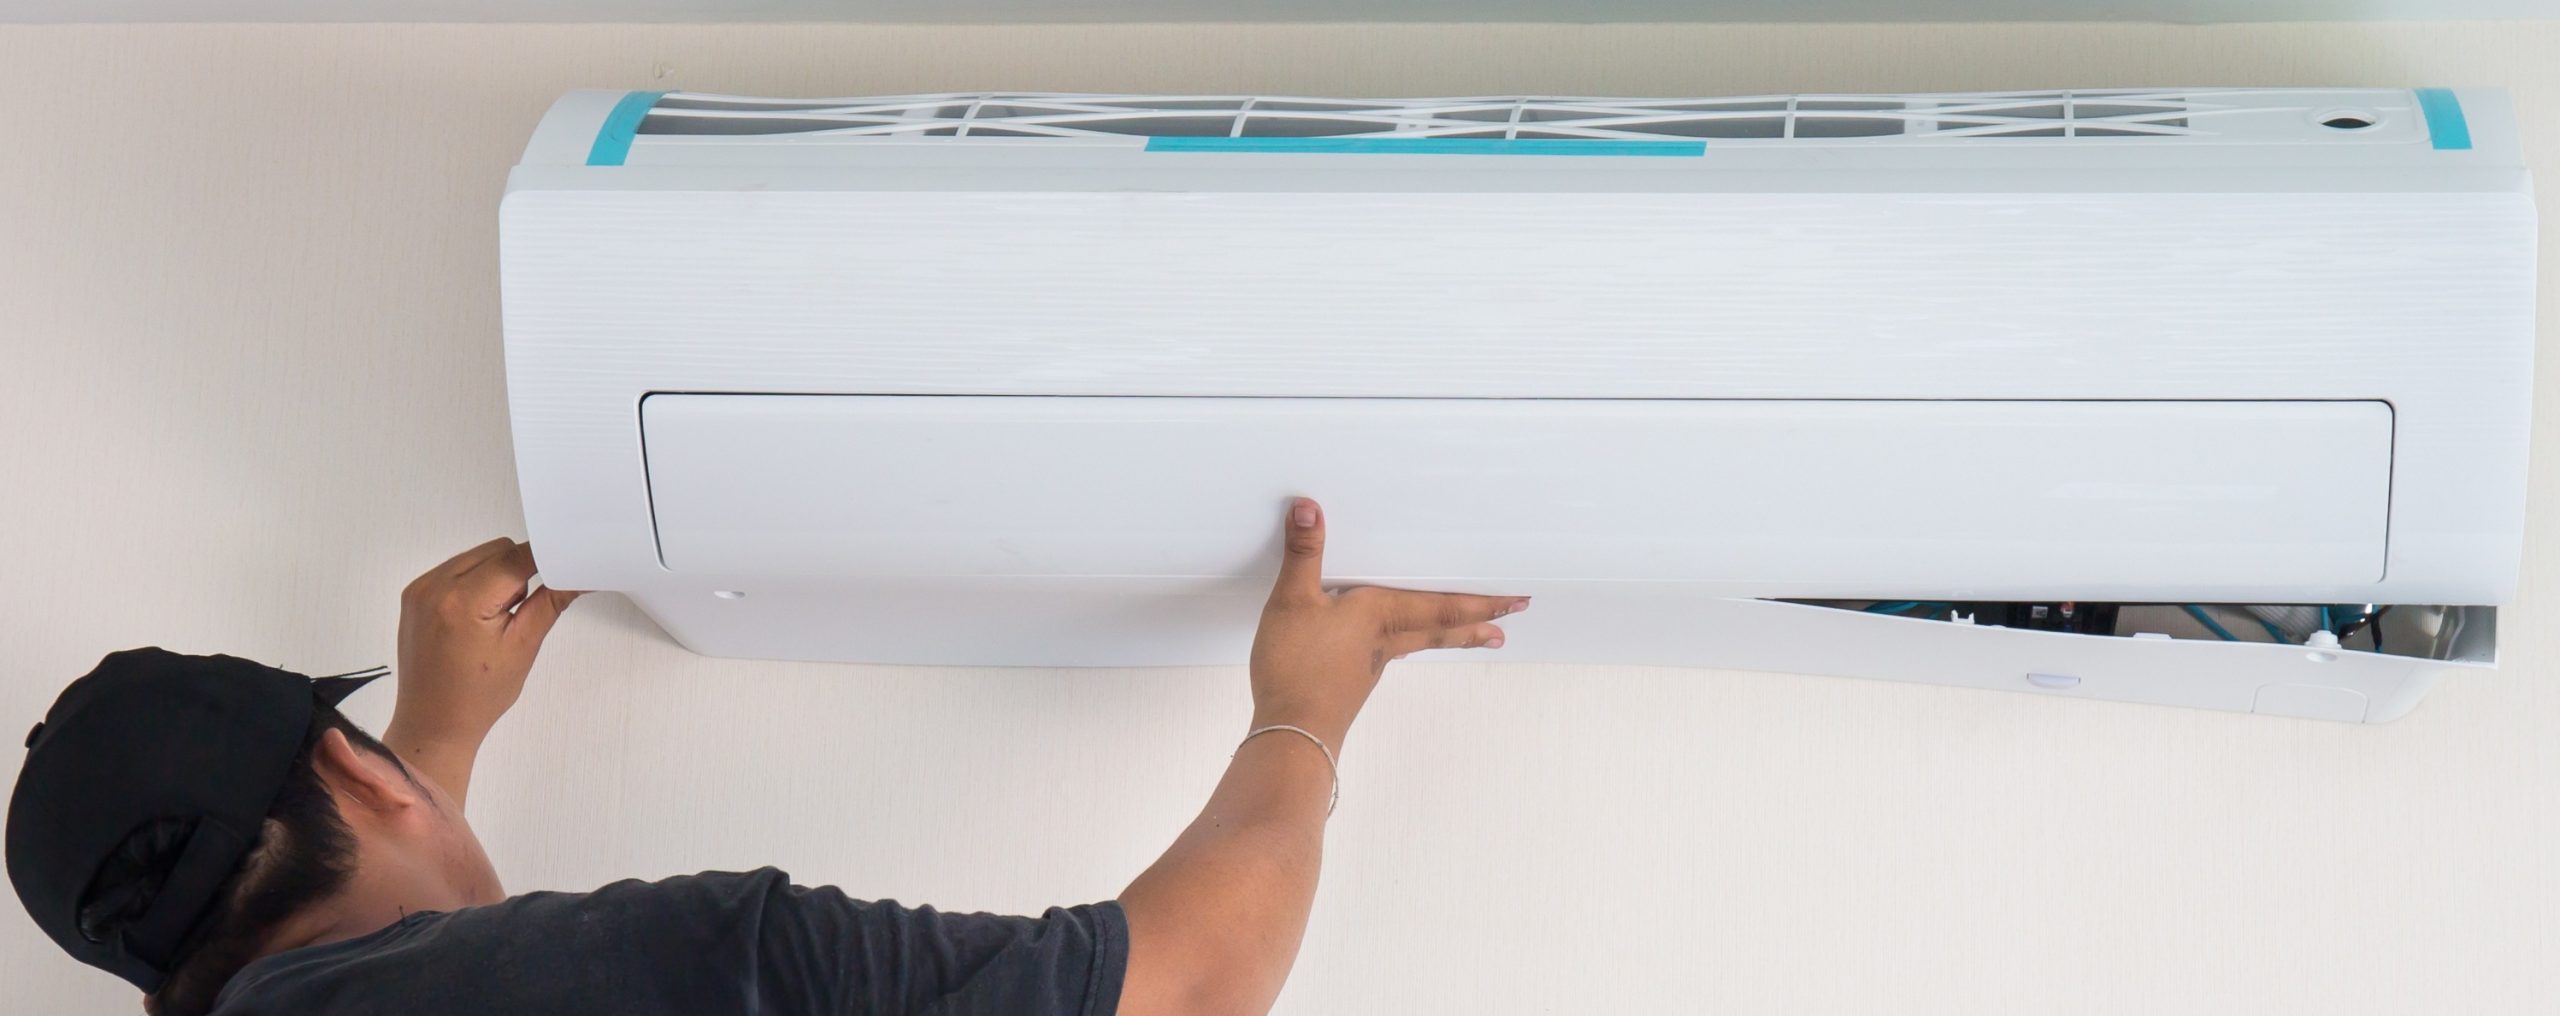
x: 1215, y: 923
x: 469, y: 629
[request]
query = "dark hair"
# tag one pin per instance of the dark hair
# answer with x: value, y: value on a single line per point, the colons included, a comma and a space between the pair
x: 304, y: 855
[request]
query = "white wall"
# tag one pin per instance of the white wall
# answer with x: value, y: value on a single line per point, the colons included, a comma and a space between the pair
x: 250, y: 383
x: 1008, y: 11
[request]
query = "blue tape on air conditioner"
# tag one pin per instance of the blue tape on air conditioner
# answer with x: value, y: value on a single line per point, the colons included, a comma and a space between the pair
x: 613, y: 140
x: 1430, y: 146
x: 2445, y: 126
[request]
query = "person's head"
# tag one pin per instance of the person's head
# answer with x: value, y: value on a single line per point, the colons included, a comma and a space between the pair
x: 180, y: 816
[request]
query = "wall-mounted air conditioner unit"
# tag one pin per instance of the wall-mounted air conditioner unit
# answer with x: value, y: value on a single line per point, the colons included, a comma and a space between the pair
x: 1800, y: 383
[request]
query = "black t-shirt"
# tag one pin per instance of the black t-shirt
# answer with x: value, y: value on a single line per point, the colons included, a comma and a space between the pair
x: 718, y: 942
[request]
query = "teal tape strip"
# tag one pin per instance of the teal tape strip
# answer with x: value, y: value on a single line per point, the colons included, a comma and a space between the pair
x: 613, y: 140
x: 2445, y: 126
x: 1430, y: 146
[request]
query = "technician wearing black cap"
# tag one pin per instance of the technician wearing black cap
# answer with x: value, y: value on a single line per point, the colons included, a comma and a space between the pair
x: 213, y: 831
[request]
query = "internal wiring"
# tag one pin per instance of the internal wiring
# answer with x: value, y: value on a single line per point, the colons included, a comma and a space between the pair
x: 2338, y: 620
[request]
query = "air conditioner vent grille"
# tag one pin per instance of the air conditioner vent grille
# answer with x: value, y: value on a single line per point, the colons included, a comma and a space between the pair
x: 2092, y: 114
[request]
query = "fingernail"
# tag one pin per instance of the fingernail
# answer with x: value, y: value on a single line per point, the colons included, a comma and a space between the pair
x: 1493, y: 643
x: 1517, y: 606
x: 1303, y: 514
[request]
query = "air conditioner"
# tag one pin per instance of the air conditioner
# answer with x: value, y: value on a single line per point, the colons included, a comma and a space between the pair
x: 1874, y: 385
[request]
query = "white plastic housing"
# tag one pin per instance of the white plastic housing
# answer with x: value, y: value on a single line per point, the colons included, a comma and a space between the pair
x: 1035, y: 394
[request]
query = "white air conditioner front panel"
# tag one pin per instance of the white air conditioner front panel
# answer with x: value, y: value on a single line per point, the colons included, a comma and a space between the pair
x: 1777, y: 497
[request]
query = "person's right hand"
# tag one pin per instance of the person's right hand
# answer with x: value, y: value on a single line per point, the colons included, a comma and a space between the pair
x: 1318, y: 654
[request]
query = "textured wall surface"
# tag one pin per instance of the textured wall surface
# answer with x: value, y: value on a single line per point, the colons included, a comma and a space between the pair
x: 250, y: 383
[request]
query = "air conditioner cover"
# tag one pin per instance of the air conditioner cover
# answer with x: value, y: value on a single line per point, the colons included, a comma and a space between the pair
x: 1026, y: 378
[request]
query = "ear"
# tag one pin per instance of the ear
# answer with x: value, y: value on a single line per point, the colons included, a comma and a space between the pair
x: 367, y: 779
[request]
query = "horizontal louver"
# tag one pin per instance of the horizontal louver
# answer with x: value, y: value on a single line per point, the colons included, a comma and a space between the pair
x: 1027, y: 115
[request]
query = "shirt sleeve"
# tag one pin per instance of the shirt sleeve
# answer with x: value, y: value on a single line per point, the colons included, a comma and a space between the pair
x: 823, y: 952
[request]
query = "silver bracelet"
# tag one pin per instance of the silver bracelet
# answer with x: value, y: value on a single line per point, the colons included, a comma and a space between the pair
x: 1329, y: 762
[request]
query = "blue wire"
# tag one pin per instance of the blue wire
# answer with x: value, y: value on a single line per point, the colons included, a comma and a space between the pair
x: 2273, y: 633
x: 1894, y: 607
x: 2210, y: 624
x: 2328, y: 623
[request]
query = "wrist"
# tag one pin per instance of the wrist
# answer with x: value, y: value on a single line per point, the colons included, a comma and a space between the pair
x: 408, y: 737
x: 1331, y: 725
x: 1281, y: 777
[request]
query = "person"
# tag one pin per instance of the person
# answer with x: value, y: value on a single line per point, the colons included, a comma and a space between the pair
x: 217, y: 833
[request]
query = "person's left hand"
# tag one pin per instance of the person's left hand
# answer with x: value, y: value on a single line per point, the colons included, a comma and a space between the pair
x: 469, y: 629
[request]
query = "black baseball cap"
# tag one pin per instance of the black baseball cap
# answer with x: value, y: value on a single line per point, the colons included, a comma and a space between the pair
x: 184, y: 756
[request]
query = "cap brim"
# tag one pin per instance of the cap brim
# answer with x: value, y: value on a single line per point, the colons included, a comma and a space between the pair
x: 333, y: 690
